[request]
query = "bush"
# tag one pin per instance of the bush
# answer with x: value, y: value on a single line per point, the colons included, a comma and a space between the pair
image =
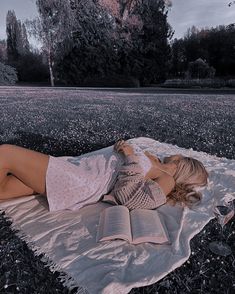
x: 199, y: 69
x: 194, y: 83
x: 8, y: 75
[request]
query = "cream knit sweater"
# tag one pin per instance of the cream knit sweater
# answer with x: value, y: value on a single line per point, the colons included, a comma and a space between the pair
x: 132, y: 190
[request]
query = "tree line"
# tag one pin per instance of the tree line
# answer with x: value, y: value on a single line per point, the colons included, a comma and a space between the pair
x: 215, y: 47
x: 84, y: 41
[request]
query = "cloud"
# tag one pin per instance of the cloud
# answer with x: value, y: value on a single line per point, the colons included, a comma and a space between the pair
x: 201, y: 13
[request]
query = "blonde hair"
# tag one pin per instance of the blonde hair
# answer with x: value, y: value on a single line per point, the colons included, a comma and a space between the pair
x: 190, y: 173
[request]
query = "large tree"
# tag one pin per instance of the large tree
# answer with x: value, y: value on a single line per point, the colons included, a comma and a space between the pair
x: 127, y: 37
x: 52, y: 27
x: 11, y: 30
x: 17, y: 39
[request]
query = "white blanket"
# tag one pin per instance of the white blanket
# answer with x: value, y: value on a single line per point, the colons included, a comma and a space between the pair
x: 67, y: 238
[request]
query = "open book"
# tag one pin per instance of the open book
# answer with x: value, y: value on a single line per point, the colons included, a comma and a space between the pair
x: 135, y: 226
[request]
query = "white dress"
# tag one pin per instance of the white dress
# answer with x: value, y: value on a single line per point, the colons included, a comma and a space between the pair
x: 73, y: 182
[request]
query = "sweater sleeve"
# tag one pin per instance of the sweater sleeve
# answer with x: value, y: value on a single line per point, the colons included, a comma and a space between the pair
x: 133, y: 190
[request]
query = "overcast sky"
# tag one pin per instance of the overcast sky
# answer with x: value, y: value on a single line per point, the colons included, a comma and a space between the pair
x: 201, y: 13
x: 182, y: 15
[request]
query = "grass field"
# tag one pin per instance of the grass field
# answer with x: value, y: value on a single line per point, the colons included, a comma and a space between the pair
x: 72, y: 121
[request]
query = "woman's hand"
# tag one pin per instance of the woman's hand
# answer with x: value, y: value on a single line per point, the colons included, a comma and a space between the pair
x: 152, y: 157
x: 123, y: 147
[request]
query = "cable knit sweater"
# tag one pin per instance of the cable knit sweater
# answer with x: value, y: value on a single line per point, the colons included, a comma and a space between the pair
x: 132, y: 190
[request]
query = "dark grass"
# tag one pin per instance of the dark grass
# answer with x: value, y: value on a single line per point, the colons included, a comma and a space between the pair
x: 61, y: 122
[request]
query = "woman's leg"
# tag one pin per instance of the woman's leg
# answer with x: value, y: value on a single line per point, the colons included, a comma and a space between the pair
x: 13, y: 187
x: 28, y: 166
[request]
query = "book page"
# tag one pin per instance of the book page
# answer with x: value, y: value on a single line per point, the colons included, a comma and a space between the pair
x: 146, y: 226
x: 115, y: 223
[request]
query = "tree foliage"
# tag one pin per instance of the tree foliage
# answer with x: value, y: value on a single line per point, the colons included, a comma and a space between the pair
x: 215, y: 45
x: 83, y: 39
x: 120, y: 37
x: 92, y: 52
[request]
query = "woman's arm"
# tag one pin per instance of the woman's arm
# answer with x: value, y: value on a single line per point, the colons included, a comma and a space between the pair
x: 131, y: 188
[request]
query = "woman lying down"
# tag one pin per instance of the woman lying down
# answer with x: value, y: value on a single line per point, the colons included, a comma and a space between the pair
x: 24, y: 172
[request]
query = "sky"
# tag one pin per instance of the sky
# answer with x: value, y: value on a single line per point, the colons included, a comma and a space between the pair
x: 201, y: 13
x: 182, y: 15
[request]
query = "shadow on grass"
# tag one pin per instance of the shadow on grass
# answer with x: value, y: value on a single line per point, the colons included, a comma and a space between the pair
x: 52, y: 146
